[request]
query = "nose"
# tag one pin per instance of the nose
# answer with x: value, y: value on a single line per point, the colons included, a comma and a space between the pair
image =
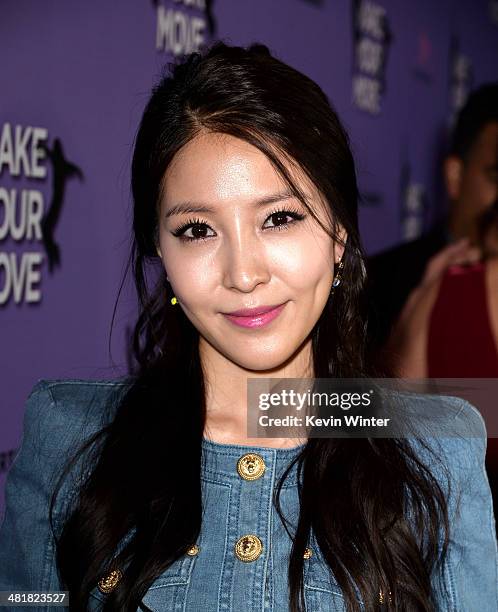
x: 245, y: 264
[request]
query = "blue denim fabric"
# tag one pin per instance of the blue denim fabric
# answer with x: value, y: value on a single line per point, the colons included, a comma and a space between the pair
x: 61, y: 414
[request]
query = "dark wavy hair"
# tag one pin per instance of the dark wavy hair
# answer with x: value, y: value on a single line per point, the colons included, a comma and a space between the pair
x: 371, y: 484
x: 480, y: 109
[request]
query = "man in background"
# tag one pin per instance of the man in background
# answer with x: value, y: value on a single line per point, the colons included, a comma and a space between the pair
x: 471, y: 180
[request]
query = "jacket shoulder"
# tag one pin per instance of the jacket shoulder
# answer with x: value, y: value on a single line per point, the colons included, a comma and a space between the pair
x: 450, y: 440
x: 60, y: 416
x: 459, y: 445
x: 79, y: 390
x: 443, y: 417
x: 75, y: 402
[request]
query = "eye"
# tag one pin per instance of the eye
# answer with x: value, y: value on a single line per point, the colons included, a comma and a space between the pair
x: 198, y: 230
x: 280, y: 219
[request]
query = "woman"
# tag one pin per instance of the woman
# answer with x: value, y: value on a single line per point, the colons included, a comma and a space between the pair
x: 245, y: 194
x: 463, y: 319
x: 449, y: 326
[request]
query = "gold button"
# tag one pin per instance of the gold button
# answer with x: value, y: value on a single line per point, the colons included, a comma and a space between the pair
x: 248, y: 548
x: 109, y: 582
x: 251, y: 466
x: 193, y: 550
x: 307, y: 553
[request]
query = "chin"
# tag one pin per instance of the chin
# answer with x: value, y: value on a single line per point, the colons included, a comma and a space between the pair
x: 258, y: 362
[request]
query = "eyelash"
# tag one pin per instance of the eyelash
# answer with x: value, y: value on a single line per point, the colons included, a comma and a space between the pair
x: 179, y: 231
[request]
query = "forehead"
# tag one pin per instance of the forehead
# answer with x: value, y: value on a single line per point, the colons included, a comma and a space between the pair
x: 217, y: 168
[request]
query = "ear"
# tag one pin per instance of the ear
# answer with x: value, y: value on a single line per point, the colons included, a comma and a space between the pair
x: 340, y: 245
x: 161, y: 256
x: 453, y: 171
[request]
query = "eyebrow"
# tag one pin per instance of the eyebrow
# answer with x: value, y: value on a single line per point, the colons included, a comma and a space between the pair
x: 198, y: 207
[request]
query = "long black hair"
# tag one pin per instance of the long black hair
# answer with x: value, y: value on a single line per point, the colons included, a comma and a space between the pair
x: 367, y: 540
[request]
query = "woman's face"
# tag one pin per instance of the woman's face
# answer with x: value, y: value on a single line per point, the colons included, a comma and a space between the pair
x: 232, y: 238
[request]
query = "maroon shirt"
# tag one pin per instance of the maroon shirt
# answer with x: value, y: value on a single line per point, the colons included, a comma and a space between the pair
x: 460, y: 339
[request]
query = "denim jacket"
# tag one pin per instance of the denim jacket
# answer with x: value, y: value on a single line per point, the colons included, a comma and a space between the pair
x: 239, y: 562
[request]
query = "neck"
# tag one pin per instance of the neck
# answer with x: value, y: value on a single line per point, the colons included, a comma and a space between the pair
x: 226, y: 395
x: 462, y: 222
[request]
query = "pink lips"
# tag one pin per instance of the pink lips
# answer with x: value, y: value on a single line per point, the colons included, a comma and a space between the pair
x: 255, y: 317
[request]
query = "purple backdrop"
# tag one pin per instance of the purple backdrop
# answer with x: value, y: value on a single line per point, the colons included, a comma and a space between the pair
x: 75, y: 77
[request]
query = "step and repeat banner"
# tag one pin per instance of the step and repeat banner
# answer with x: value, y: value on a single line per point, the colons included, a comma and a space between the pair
x: 74, y: 79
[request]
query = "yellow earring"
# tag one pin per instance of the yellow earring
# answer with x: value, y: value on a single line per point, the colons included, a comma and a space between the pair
x: 174, y: 300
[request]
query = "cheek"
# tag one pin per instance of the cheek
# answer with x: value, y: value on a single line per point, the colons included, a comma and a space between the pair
x: 190, y: 275
x: 303, y: 262
x: 480, y: 190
